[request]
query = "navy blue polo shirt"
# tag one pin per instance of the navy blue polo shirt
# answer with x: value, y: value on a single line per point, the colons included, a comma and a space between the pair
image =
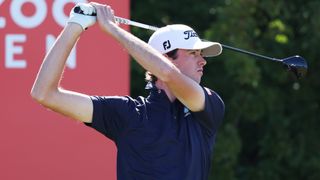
x: 158, y: 139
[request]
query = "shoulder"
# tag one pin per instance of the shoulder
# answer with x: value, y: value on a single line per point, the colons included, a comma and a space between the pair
x: 213, y: 113
x: 113, y: 114
x: 212, y: 94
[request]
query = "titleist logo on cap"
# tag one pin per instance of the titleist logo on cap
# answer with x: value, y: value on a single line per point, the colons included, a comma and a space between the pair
x: 190, y: 33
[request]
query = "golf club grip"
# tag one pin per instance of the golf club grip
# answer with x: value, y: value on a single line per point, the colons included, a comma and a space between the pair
x: 78, y: 10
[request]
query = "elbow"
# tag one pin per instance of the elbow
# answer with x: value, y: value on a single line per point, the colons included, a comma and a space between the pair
x: 37, y: 96
x: 40, y: 96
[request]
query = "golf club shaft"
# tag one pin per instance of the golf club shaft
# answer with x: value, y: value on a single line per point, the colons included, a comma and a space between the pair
x: 134, y: 23
x: 249, y: 53
x: 145, y: 26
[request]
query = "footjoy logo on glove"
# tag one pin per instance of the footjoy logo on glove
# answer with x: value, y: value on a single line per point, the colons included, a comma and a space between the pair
x: 190, y: 33
x: 166, y: 45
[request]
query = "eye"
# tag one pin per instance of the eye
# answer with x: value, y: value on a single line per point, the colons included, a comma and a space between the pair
x: 193, y: 53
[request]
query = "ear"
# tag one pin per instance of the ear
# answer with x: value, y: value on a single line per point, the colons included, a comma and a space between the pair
x: 165, y: 55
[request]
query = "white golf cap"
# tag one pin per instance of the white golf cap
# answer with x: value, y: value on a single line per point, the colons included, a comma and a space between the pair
x: 179, y: 36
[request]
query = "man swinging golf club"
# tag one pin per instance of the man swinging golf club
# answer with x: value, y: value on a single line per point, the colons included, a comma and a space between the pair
x: 168, y: 135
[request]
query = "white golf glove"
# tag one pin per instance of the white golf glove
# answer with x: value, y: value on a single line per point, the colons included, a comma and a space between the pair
x: 83, y: 14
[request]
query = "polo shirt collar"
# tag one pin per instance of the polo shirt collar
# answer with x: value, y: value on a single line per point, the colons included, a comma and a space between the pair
x: 160, y: 96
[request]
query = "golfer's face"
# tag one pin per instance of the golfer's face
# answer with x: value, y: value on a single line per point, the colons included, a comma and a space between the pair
x: 190, y: 63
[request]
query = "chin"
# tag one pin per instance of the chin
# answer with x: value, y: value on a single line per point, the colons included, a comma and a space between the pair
x: 197, y: 80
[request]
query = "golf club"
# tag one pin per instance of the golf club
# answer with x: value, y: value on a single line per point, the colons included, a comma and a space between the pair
x: 295, y: 64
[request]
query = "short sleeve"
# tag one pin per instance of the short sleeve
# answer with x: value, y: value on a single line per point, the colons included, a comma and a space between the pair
x: 112, y: 114
x: 213, y: 113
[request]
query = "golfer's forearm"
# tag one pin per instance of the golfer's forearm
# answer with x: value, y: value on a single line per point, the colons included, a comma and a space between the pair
x: 146, y: 56
x: 50, y: 72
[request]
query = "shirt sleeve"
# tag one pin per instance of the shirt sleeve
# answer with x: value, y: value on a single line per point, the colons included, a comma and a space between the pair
x: 212, y: 114
x: 112, y: 114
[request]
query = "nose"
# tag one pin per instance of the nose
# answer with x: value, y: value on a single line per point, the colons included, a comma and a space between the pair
x: 202, y: 61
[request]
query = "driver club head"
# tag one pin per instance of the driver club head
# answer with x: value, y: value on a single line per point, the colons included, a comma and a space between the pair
x: 297, y: 65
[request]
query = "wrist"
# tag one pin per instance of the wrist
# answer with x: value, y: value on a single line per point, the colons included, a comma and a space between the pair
x: 111, y: 28
x: 73, y: 29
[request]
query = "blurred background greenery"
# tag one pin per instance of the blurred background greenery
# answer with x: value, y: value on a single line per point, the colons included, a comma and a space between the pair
x: 270, y: 130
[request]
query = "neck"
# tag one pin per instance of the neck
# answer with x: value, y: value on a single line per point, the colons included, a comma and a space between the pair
x: 161, y: 85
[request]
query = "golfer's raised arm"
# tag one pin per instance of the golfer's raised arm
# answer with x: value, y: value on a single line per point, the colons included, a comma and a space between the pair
x: 46, y: 89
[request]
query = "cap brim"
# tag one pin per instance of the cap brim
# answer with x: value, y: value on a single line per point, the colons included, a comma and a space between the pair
x: 209, y: 49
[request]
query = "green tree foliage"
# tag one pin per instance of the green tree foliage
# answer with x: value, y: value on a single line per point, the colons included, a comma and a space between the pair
x: 270, y: 130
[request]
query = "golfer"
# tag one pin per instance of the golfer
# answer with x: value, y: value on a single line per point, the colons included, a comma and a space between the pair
x: 170, y: 134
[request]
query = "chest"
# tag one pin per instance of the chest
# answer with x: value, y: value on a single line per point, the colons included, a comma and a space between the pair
x: 172, y: 131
